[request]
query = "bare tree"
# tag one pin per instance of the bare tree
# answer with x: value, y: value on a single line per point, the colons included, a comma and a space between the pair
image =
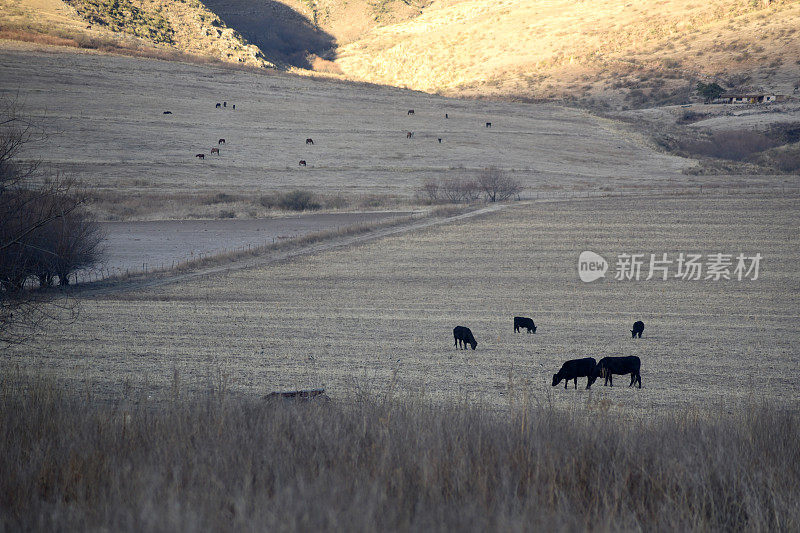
x: 495, y: 185
x: 39, y: 219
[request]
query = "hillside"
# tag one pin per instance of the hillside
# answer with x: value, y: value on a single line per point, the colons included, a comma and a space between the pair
x: 612, y: 50
x: 599, y: 53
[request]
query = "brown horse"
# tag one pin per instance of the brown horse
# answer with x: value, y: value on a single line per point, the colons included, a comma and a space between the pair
x: 309, y: 141
x: 201, y: 156
x: 215, y: 151
x: 302, y: 163
x: 221, y: 141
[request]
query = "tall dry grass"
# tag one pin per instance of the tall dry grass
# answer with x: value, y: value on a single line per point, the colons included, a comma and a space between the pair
x: 211, y: 462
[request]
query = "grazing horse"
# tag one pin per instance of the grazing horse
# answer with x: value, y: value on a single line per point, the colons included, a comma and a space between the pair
x: 201, y: 156
x: 302, y: 163
x: 309, y: 141
x: 409, y: 134
x: 219, y: 105
x: 221, y: 141
x: 215, y: 151
x: 167, y: 112
x: 410, y: 111
x: 488, y: 124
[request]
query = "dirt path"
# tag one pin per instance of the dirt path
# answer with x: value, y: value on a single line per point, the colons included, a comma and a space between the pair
x: 106, y: 287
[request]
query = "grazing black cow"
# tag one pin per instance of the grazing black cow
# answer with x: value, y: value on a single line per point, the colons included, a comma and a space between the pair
x: 409, y: 134
x: 445, y: 115
x: 224, y: 104
x: 638, y: 328
x: 221, y: 141
x: 302, y: 163
x: 464, y: 336
x: 608, y: 366
x: 524, y: 322
x: 215, y: 151
x: 167, y: 112
x: 488, y: 124
x: 200, y: 156
x: 440, y: 140
x: 309, y: 141
x: 410, y: 111
x: 574, y: 369
x: 234, y: 107
x: 219, y: 105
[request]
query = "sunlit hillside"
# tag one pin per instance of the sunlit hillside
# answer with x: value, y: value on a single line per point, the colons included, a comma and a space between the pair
x: 599, y: 52
x: 641, y: 50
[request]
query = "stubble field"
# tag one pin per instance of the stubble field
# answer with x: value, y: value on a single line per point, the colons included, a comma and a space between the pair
x: 378, y: 317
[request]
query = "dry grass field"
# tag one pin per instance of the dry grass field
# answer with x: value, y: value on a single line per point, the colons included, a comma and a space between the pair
x: 105, y: 116
x: 378, y: 317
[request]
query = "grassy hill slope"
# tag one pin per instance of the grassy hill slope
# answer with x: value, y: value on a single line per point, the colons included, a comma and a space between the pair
x: 604, y: 52
x: 631, y: 52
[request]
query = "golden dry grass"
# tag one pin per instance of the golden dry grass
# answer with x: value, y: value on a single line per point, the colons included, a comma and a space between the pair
x: 211, y: 463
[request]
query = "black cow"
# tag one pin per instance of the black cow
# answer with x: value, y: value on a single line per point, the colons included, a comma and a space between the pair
x: 638, y: 328
x: 309, y: 141
x: 221, y: 141
x: 524, y: 322
x: 302, y: 163
x: 200, y: 156
x: 224, y: 104
x: 167, y: 112
x: 219, y: 105
x: 608, y: 366
x: 464, y: 336
x: 410, y: 111
x: 574, y: 369
x: 488, y: 124
x: 445, y: 116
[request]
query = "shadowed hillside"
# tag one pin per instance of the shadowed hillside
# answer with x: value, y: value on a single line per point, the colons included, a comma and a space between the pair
x: 277, y: 29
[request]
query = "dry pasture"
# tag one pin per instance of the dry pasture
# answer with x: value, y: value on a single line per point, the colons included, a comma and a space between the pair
x: 378, y: 317
x: 105, y: 117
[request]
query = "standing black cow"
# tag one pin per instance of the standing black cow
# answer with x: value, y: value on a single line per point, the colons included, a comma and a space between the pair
x: 524, y: 322
x: 638, y: 328
x: 410, y: 111
x: 464, y: 336
x: 574, y: 369
x: 608, y: 366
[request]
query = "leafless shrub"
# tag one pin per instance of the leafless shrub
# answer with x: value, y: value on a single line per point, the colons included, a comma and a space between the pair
x: 496, y: 185
x: 383, y: 464
x: 736, y: 145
